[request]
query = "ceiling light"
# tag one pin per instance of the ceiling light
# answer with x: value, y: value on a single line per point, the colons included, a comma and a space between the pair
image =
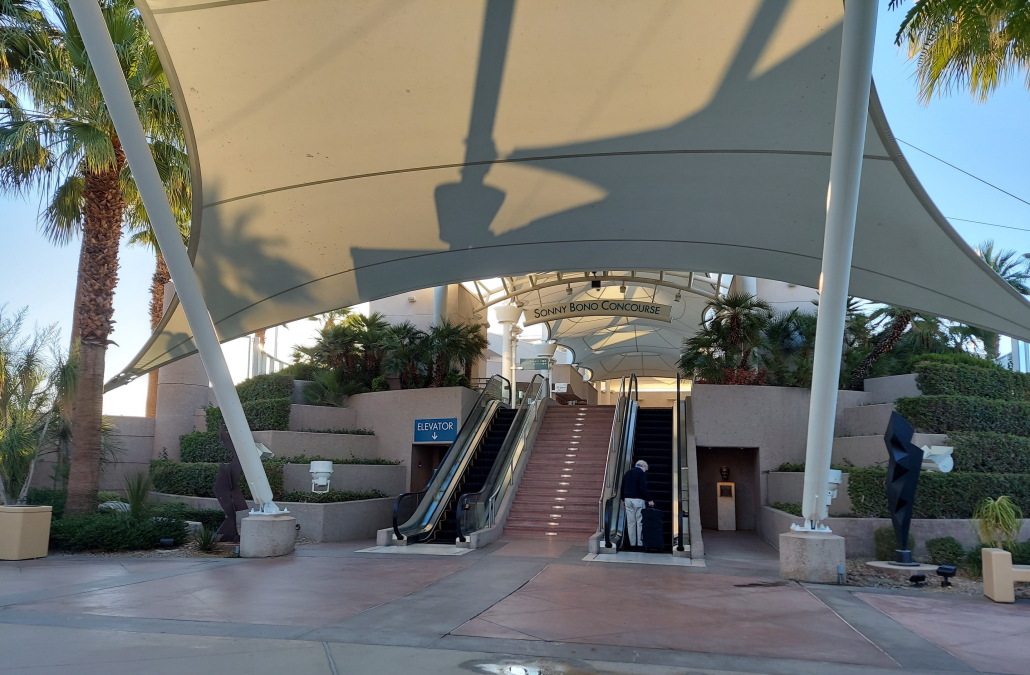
x: 679, y: 296
x: 568, y: 290
x: 622, y: 288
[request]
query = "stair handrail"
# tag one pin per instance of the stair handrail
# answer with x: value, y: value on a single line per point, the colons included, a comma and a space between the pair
x: 620, y: 454
x: 426, y: 513
x: 679, y: 440
x: 478, y: 510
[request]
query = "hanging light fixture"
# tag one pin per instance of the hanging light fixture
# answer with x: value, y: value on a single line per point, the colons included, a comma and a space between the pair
x: 568, y: 290
x: 622, y: 288
x: 679, y: 296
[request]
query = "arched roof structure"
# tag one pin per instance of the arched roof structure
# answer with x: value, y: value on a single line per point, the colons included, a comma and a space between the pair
x: 347, y: 151
x: 611, y: 347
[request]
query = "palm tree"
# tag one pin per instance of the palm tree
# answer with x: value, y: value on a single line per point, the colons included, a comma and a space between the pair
x: 454, y: 346
x: 371, y: 334
x: 64, y: 144
x: 742, y: 319
x: 30, y: 383
x: 898, y: 321
x: 1015, y: 270
x: 408, y: 354
x: 966, y: 44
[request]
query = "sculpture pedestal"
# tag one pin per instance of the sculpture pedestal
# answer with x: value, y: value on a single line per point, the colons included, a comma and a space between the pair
x: 267, y: 536
x: 727, y: 499
x: 811, y: 556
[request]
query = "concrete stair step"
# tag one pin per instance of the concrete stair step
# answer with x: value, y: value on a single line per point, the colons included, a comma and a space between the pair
x: 865, y: 420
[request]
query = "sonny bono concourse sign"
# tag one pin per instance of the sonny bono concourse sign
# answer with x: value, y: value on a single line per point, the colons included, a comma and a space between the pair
x: 602, y: 307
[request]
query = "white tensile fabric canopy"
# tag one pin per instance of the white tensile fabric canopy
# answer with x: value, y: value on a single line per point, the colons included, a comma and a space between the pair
x: 347, y: 151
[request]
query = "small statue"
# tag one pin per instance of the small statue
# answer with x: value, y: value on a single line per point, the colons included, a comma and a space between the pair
x: 227, y: 489
x: 724, y: 471
x: 902, y: 480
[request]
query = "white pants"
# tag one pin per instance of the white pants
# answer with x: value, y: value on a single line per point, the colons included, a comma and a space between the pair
x: 635, y: 521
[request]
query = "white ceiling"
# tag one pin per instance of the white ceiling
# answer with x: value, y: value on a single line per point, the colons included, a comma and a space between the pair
x: 348, y: 151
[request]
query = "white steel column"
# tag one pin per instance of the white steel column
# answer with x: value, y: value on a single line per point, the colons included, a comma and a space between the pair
x: 439, y: 305
x: 849, y: 129
x: 507, y: 316
x: 102, y: 56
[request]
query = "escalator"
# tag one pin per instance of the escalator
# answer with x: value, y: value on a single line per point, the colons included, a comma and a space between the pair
x: 654, y: 445
x: 429, y: 515
x: 475, y: 475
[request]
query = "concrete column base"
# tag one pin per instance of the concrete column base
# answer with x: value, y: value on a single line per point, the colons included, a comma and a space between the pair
x: 267, y: 536
x: 811, y: 556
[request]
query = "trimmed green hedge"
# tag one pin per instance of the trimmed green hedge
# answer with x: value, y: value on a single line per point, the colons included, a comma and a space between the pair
x: 940, y: 495
x: 792, y: 508
x: 202, y: 446
x: 272, y: 414
x: 945, y: 551
x: 941, y: 414
x: 951, y: 358
x: 942, y: 379
x: 330, y: 497
x: 197, y: 479
x: 989, y: 452
x: 48, y: 497
x: 211, y: 518
x: 262, y: 387
x: 114, y: 532
x: 885, y: 542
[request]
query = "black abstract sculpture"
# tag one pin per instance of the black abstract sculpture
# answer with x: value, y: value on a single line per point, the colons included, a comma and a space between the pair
x: 227, y: 489
x: 902, y: 480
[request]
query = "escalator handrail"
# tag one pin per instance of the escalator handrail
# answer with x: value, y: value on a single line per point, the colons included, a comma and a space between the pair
x: 456, y: 461
x: 614, y: 520
x: 613, y: 444
x: 502, y: 473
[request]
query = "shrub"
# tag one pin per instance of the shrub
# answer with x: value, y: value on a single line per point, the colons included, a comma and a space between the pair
x: 211, y: 518
x: 788, y: 507
x: 272, y: 414
x: 380, y: 384
x: 941, y: 414
x: 456, y: 379
x: 886, y: 542
x: 331, y: 496
x: 999, y: 520
x: 990, y: 452
x: 952, y: 358
x: 48, y: 497
x: 299, y: 371
x: 940, y: 495
x: 197, y: 479
x: 203, y: 446
x: 263, y: 387
x: 108, y: 496
x: 791, y: 467
x: 945, y: 551
x: 973, y: 561
x: 942, y: 379
x: 114, y: 532
x: 355, y: 432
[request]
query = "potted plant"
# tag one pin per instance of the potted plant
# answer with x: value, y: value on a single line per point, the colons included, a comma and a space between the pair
x: 35, y: 385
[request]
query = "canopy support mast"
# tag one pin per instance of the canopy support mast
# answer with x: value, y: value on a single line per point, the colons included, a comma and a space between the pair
x: 849, y: 132
x: 101, y: 52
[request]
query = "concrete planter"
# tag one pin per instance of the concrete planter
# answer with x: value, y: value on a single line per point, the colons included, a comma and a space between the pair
x: 330, y: 446
x: 341, y: 521
x: 391, y: 480
x: 858, y: 532
x: 24, y: 532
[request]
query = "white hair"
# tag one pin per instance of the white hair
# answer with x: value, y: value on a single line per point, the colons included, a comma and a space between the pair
x: 642, y: 464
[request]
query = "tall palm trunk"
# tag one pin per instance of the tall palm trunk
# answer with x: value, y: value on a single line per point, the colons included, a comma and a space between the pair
x: 894, y: 333
x: 157, y: 304
x: 101, y: 235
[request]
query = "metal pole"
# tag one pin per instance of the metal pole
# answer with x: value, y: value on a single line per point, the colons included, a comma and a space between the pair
x: 102, y: 56
x: 849, y: 129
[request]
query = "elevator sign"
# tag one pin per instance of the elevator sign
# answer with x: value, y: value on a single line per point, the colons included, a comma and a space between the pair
x: 436, y: 430
x: 631, y: 308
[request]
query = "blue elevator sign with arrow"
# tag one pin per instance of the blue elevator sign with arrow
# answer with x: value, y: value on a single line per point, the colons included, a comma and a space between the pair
x: 436, y: 430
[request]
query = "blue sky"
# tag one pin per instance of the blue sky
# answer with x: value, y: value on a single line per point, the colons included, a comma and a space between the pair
x: 989, y: 140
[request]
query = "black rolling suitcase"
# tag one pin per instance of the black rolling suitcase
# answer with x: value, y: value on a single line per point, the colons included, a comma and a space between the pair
x: 652, y: 530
